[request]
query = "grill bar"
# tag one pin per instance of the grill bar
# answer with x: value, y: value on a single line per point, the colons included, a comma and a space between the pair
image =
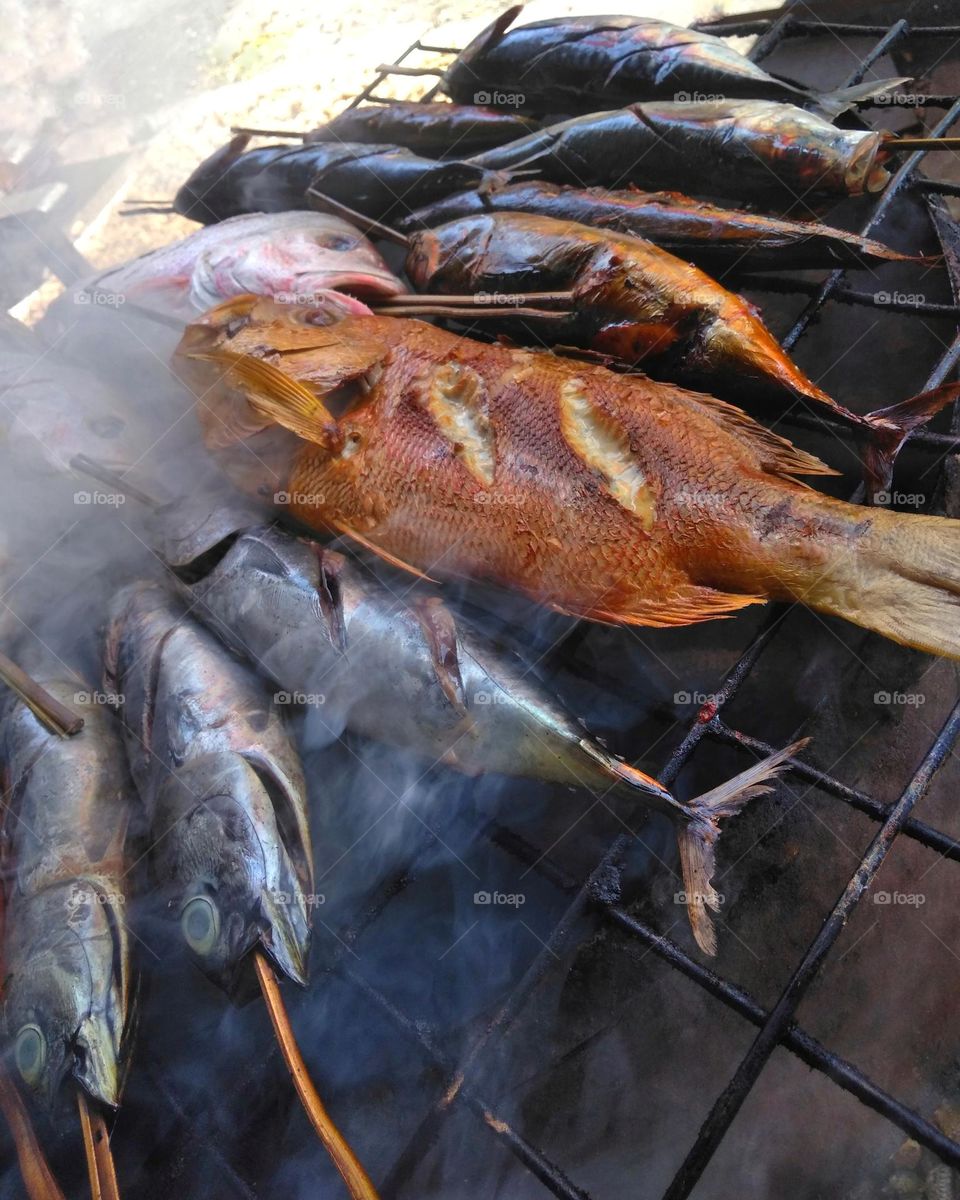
x: 778, y: 1025
x: 796, y: 1039
x: 730, y: 1102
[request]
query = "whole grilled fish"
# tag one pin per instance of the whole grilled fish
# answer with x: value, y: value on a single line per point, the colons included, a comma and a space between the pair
x: 613, y: 497
x: 632, y: 299
x: 581, y: 64
x: 289, y: 255
x: 703, y: 233
x: 735, y: 148
x: 417, y: 677
x: 221, y: 783
x: 376, y: 180
x: 435, y: 129
x: 68, y: 993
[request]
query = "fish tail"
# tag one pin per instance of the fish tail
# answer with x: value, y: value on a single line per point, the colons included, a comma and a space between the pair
x: 832, y: 104
x: 895, y: 573
x: 697, y: 838
x: 890, y: 428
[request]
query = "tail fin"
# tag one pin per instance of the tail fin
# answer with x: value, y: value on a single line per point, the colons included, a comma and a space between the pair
x: 895, y: 573
x: 892, y: 426
x: 697, y: 838
x: 832, y: 104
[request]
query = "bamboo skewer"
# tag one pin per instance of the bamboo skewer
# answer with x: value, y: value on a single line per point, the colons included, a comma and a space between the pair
x: 56, y: 716
x: 96, y: 1143
x: 271, y: 133
x: 468, y: 312
x: 363, y: 223
x: 354, y: 1176
x: 893, y: 142
x: 35, y: 1171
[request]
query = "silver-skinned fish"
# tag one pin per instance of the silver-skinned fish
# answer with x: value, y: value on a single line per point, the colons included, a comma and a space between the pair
x: 221, y: 782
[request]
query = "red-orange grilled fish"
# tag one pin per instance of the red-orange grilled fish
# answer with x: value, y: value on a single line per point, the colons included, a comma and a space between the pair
x: 601, y: 495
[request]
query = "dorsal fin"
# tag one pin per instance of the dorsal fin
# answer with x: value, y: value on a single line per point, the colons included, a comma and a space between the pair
x: 777, y: 454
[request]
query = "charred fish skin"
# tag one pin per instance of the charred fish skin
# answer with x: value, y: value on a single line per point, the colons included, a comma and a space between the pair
x: 410, y: 675
x: 221, y: 783
x: 632, y: 300
x: 434, y: 129
x: 581, y: 64
x: 745, y: 147
x: 706, y: 234
x: 68, y: 992
x: 376, y: 180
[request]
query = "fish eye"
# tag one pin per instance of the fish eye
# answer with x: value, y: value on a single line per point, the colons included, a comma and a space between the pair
x: 200, y: 923
x: 107, y: 427
x: 30, y: 1053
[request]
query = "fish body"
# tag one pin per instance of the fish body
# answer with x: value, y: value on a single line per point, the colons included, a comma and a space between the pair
x: 632, y: 299
x: 708, y: 235
x: 731, y: 148
x: 581, y: 64
x: 292, y: 256
x: 68, y: 991
x: 376, y: 180
x: 51, y: 411
x: 418, y: 677
x: 433, y: 128
x: 221, y: 783
x: 605, y: 496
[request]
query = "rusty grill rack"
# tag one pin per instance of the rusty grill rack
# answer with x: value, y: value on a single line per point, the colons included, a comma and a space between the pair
x: 776, y: 1026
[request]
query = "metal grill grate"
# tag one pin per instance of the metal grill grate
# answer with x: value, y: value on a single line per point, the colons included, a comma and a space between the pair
x: 776, y: 1026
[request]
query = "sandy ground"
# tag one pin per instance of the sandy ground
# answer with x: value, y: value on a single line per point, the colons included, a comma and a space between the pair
x: 161, y: 83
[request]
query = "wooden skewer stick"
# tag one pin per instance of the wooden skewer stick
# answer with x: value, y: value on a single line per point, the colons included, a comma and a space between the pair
x: 467, y: 300
x: 363, y: 223
x: 392, y: 69
x: 35, y: 1171
x: 56, y: 716
x: 96, y: 1143
x: 921, y: 143
x: 464, y: 313
x: 115, y: 479
x: 355, y: 1177
x: 273, y: 133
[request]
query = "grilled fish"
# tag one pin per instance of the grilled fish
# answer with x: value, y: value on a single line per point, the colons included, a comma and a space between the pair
x: 290, y: 255
x: 705, y: 234
x: 69, y: 988
x: 415, y: 676
x: 376, y: 180
x: 616, y: 498
x: 733, y: 148
x: 221, y: 783
x: 581, y: 64
x: 435, y: 129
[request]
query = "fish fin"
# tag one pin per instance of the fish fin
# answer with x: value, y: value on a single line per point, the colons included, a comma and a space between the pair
x: 274, y: 394
x: 777, y: 454
x: 892, y: 426
x: 686, y: 606
x: 895, y: 573
x: 440, y: 631
x: 832, y: 104
x: 697, y: 838
x: 379, y: 552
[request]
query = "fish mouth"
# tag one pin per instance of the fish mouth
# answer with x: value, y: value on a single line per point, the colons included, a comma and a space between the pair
x: 866, y: 172
x: 367, y: 283
x: 97, y: 1068
x: 284, y: 944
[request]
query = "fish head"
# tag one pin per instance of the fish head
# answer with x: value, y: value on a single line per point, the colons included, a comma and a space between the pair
x: 65, y: 1000
x: 232, y: 871
x: 294, y: 257
x: 444, y: 256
